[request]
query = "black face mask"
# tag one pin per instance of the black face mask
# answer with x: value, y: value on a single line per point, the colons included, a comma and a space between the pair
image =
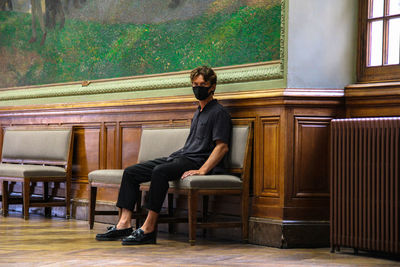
x: 201, y: 92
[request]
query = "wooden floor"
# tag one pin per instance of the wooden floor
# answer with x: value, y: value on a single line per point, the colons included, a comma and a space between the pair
x: 57, y: 242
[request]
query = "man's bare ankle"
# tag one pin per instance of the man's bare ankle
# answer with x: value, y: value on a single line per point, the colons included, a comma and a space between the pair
x: 123, y: 226
x: 147, y: 229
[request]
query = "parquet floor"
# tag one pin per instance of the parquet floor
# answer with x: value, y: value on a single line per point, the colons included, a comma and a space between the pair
x: 44, y: 241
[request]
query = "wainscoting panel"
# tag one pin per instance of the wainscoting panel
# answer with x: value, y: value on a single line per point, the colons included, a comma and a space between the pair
x: 289, y: 169
x: 110, y: 144
x: 86, y: 152
x: 311, y: 157
x: 270, y: 155
x: 130, y: 144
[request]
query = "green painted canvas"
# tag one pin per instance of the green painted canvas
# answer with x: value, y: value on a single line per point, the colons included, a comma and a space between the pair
x: 54, y: 41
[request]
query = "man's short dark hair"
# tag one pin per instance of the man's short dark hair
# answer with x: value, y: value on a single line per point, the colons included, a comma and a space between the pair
x: 207, y: 72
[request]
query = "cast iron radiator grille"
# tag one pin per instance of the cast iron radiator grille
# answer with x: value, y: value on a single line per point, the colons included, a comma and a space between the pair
x: 365, y: 188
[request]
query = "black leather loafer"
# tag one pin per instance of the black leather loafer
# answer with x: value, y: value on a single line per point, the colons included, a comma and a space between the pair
x: 114, y: 234
x: 138, y: 237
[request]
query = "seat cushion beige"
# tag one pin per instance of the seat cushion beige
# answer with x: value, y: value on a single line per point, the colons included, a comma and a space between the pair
x: 22, y: 171
x: 206, y: 182
x: 106, y: 176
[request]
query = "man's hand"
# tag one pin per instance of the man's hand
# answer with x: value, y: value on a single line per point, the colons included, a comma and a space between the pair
x: 216, y: 155
x: 192, y: 172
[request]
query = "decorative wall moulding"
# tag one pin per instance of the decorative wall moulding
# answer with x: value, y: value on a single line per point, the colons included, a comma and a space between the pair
x: 373, y: 89
x: 233, y: 74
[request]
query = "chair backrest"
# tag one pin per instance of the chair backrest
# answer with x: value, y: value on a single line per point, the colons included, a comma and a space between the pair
x: 156, y: 143
x: 237, y: 151
x: 35, y: 145
x: 161, y: 142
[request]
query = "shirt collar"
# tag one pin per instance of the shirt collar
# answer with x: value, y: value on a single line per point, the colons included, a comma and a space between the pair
x: 208, y: 105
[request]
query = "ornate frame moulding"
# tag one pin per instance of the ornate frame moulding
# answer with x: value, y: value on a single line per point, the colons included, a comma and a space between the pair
x: 233, y: 74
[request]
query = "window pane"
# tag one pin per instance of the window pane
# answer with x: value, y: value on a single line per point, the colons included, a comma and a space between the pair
x: 394, y: 41
x: 394, y: 7
x: 376, y: 41
x: 377, y: 8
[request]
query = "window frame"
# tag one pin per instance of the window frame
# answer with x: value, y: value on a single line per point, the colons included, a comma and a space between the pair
x: 366, y: 73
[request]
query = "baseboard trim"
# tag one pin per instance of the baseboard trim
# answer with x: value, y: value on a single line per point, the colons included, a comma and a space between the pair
x: 288, y: 234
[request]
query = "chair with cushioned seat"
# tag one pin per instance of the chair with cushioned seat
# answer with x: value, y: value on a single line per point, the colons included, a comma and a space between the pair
x: 36, y: 154
x: 236, y: 183
x: 170, y: 140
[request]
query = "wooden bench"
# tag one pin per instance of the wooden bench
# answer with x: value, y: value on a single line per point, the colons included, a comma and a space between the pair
x: 36, y: 154
x: 169, y: 140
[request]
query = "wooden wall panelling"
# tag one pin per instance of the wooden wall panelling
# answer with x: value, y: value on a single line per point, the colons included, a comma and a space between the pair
x: 270, y: 154
x: 1, y: 140
x: 307, y: 195
x: 268, y: 183
x: 373, y: 100
x: 103, y: 146
x: 130, y: 143
x: 110, y: 144
x: 87, y: 143
x: 288, y: 136
x: 306, y: 172
x: 311, y: 157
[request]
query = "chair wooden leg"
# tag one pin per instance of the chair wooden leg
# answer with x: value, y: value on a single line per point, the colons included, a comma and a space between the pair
x: 192, y: 204
x: 68, y: 198
x: 26, y: 197
x: 92, y: 205
x: 47, y: 210
x: 171, y: 212
x: 245, y: 217
x: 205, y: 213
x: 5, y: 193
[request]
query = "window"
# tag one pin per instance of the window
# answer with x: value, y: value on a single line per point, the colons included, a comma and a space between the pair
x: 379, y: 41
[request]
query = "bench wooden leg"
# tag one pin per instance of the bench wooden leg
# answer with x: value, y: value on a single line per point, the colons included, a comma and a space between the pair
x: 192, y: 204
x: 92, y: 205
x: 26, y: 189
x: 205, y: 213
x: 68, y: 198
x: 245, y: 217
x: 171, y: 225
x: 47, y: 210
x: 5, y: 193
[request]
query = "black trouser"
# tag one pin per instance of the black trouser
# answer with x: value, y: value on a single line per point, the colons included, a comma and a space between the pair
x: 159, y: 172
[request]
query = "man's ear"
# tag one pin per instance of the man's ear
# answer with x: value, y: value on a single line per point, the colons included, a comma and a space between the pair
x: 212, y: 89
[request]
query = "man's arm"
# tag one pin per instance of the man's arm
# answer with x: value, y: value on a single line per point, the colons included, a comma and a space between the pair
x: 215, y: 157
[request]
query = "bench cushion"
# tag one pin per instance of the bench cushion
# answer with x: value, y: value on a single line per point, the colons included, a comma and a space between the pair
x: 22, y: 171
x: 36, y: 144
x: 194, y: 182
x: 106, y: 176
x: 206, y: 182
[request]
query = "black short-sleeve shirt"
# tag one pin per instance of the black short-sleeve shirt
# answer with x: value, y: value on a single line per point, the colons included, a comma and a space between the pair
x: 209, y: 125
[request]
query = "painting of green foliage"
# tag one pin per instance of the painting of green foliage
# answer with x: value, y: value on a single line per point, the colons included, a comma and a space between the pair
x: 54, y: 41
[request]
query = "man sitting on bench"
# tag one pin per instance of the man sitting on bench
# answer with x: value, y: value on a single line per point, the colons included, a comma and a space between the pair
x: 205, y: 147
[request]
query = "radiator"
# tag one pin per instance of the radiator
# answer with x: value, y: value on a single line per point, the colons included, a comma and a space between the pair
x: 364, y: 175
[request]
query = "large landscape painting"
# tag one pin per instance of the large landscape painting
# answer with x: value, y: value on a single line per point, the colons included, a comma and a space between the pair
x: 54, y: 41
